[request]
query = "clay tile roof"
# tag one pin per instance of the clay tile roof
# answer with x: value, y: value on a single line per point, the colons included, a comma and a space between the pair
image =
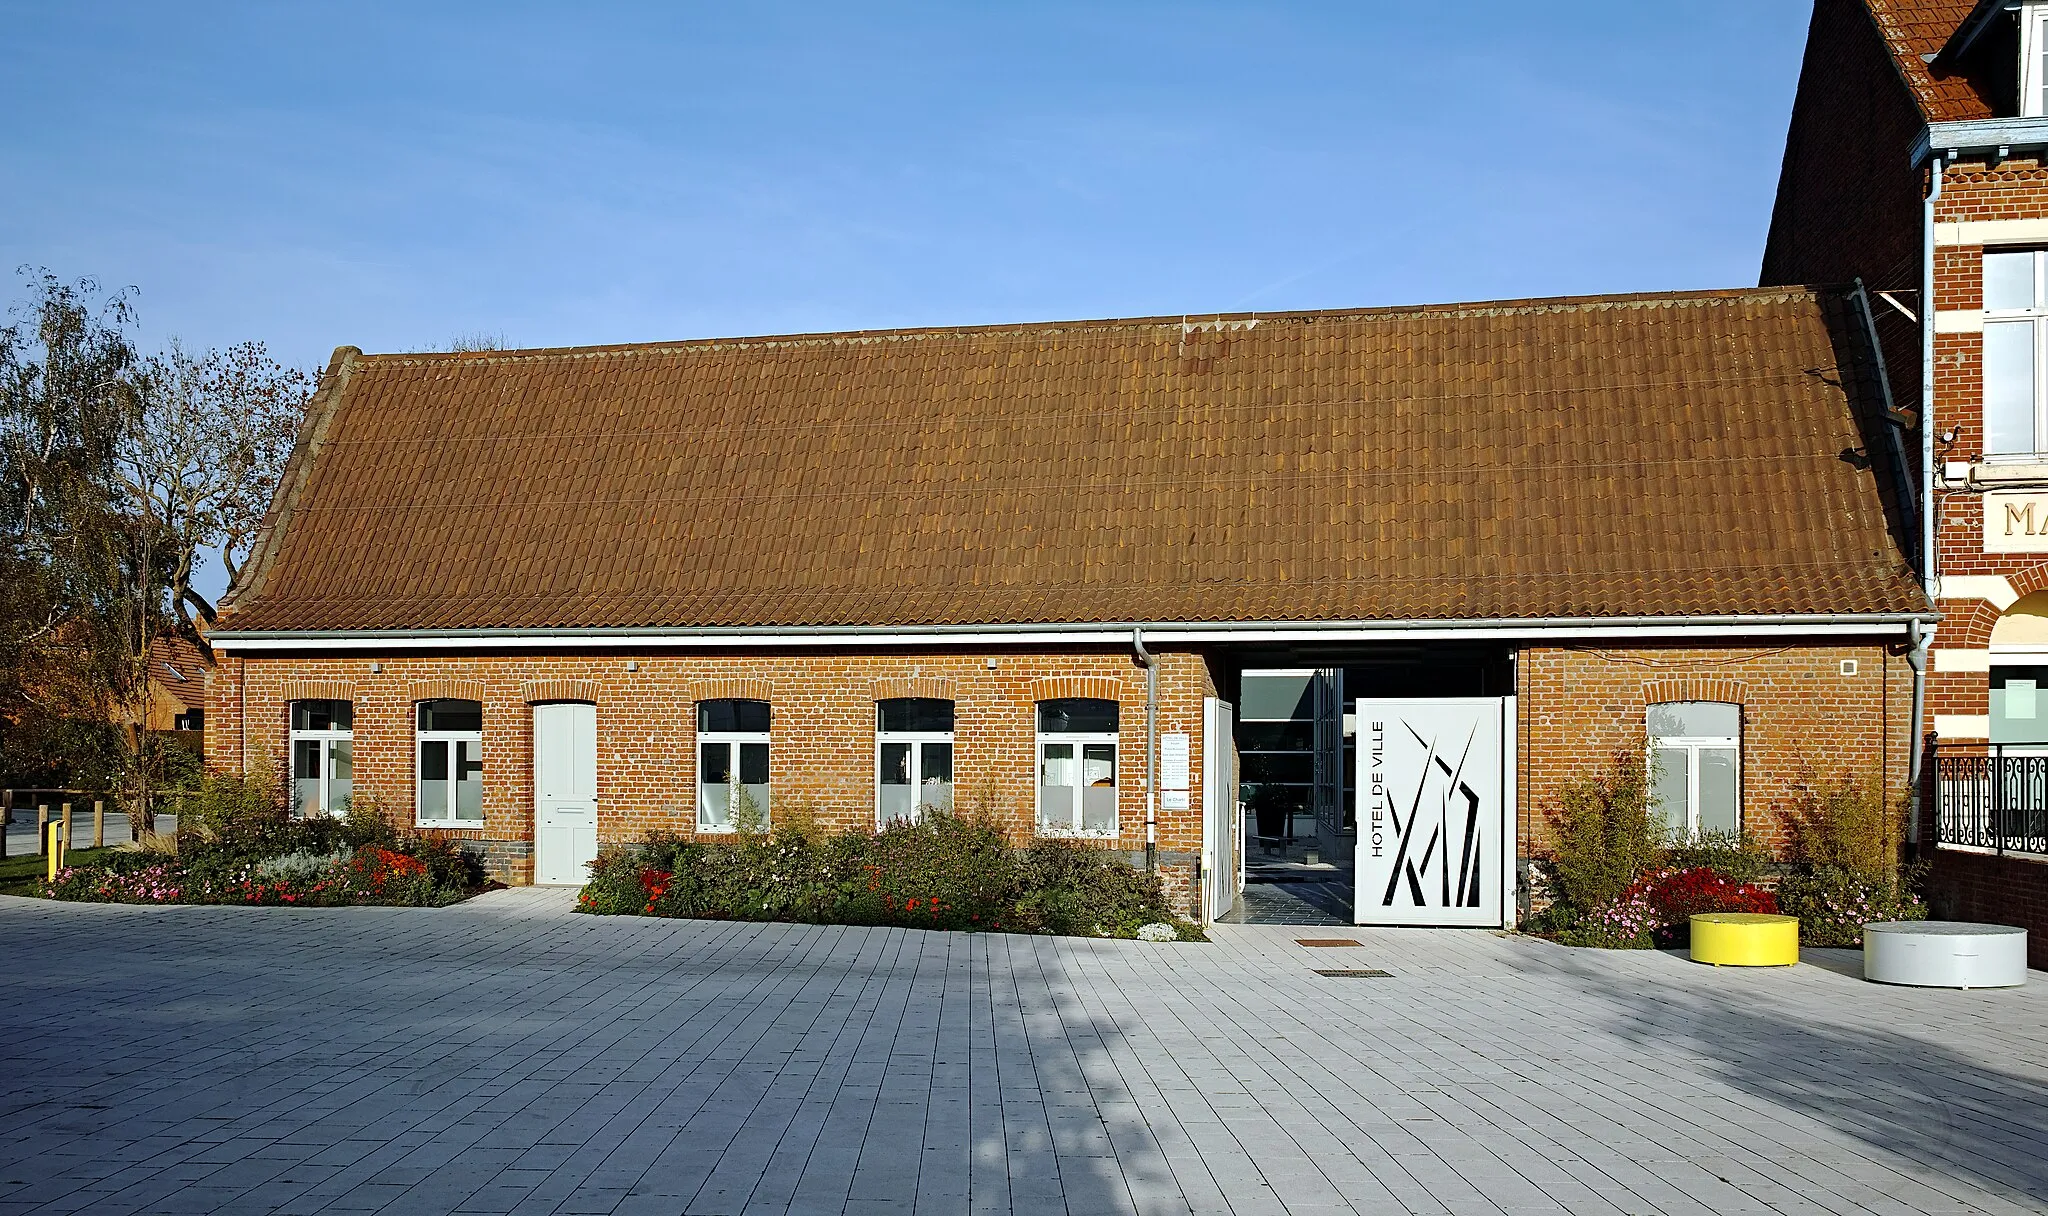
x: 178, y: 667
x: 1633, y: 455
x: 1915, y: 30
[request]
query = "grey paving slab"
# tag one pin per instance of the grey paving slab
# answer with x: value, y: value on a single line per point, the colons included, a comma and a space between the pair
x: 508, y: 1056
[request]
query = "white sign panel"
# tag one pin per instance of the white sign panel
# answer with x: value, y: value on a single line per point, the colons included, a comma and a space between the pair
x: 1173, y: 761
x: 1434, y: 822
x: 2016, y: 523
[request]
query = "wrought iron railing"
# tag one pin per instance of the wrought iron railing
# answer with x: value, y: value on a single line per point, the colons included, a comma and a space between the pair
x: 1987, y: 797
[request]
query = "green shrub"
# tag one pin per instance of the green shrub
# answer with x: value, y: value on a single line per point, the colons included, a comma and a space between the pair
x: 1604, y: 832
x: 1736, y: 856
x: 1833, y: 903
x: 944, y: 871
x: 1849, y: 823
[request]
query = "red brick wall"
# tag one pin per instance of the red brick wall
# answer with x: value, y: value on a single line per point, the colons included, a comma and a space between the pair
x: 1994, y: 890
x: 1801, y: 718
x: 823, y: 740
x: 1848, y: 206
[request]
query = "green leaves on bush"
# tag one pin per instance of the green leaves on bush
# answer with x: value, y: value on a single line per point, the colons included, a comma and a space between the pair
x: 944, y: 871
x: 1604, y: 833
x: 1833, y: 904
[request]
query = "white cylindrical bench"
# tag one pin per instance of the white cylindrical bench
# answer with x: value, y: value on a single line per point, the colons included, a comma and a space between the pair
x: 1944, y: 954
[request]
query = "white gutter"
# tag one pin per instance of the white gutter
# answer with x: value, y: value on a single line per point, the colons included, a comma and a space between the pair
x: 1118, y: 634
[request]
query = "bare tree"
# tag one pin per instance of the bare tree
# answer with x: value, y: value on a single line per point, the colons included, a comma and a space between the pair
x: 205, y: 456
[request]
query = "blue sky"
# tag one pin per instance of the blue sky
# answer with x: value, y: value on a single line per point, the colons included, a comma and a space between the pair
x: 392, y: 176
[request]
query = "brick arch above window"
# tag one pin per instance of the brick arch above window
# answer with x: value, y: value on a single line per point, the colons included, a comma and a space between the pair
x: 319, y: 690
x: 744, y: 689
x: 2025, y: 582
x: 1053, y: 688
x: 535, y: 691
x: 1967, y: 624
x: 1695, y: 688
x: 935, y: 688
x: 461, y: 690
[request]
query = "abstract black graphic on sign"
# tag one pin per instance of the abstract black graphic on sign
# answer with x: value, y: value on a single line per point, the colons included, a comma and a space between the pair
x: 1445, y: 803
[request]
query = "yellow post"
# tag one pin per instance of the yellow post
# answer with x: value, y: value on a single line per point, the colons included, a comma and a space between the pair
x: 42, y: 827
x: 55, y: 852
x: 99, y: 823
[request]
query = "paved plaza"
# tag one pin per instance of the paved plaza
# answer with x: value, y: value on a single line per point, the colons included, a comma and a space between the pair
x: 508, y: 1056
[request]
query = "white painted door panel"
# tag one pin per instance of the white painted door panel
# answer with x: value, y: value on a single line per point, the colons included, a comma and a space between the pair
x: 1435, y: 803
x: 564, y: 792
x: 1222, y: 831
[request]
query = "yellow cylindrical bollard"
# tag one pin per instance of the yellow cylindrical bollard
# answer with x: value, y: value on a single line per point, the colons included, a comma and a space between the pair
x: 1745, y: 939
x: 55, y: 851
x: 42, y: 827
x: 99, y: 823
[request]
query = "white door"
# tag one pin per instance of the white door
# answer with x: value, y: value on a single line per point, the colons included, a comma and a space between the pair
x: 1435, y: 811
x: 1222, y: 832
x: 564, y: 792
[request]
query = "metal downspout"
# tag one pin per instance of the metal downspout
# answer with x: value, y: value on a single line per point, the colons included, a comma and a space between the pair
x: 1930, y: 504
x: 1151, y: 662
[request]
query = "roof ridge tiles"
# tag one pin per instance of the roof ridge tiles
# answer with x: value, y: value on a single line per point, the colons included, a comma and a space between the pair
x: 1186, y: 323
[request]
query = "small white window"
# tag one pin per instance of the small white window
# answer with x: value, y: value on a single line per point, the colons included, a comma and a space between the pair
x: 913, y: 758
x: 323, y: 746
x: 732, y: 765
x: 1696, y: 766
x: 2015, y: 343
x: 1077, y: 741
x: 451, y: 763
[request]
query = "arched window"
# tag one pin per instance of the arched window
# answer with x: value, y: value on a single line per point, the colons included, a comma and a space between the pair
x: 323, y: 746
x: 1696, y: 766
x: 913, y: 757
x: 1077, y: 741
x: 732, y: 765
x: 449, y: 736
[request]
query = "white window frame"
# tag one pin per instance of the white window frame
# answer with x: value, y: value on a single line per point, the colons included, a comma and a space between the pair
x: 917, y: 740
x: 1693, y: 745
x: 325, y: 741
x: 2033, y: 71
x: 731, y: 740
x: 2036, y: 318
x: 454, y: 739
x: 1080, y: 740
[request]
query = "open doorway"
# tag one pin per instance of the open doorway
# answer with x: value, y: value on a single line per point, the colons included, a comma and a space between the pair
x: 1297, y: 755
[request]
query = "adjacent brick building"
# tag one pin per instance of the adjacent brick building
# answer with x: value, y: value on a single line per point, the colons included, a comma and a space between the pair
x: 543, y: 599
x: 1915, y: 163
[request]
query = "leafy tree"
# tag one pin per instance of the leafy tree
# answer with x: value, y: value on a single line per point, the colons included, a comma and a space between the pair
x: 67, y: 402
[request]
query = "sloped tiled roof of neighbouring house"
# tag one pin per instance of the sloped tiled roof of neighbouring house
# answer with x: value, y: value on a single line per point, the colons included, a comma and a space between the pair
x: 1660, y: 455
x: 178, y: 667
x: 1915, y: 31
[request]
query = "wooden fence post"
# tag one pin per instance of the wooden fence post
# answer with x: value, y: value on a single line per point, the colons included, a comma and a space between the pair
x: 66, y: 817
x: 99, y: 823
x: 42, y: 827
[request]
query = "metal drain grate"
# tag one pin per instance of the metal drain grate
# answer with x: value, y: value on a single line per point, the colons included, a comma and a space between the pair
x: 1357, y: 973
x: 1327, y: 941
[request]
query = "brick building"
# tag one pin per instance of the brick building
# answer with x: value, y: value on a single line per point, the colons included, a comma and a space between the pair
x: 1089, y: 577
x: 1915, y: 164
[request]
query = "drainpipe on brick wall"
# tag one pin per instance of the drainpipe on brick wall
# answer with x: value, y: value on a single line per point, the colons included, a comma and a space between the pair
x: 1917, y: 659
x: 1151, y: 662
x: 1929, y: 503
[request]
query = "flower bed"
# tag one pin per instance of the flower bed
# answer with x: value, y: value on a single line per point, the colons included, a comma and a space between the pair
x: 941, y: 872
x: 240, y: 846
x: 1657, y: 909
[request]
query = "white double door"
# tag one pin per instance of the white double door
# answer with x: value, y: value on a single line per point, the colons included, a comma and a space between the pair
x: 564, y: 792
